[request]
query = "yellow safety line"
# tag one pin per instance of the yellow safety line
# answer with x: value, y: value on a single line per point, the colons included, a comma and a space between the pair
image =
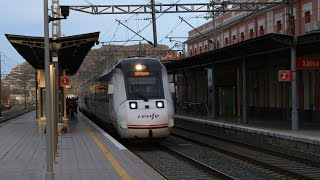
x: 108, y: 155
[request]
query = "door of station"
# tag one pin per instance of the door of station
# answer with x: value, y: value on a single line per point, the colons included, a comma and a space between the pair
x: 227, y: 101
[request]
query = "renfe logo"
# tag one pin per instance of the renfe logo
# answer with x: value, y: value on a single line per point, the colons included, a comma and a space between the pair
x: 152, y: 116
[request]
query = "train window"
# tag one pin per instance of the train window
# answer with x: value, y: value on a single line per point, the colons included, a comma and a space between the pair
x: 101, y: 93
x: 144, y: 87
x: 105, y: 95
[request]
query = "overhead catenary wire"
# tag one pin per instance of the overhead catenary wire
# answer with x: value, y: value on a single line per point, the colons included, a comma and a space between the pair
x: 135, y: 32
x: 6, y: 57
x: 177, y: 24
x: 143, y: 29
x: 125, y: 20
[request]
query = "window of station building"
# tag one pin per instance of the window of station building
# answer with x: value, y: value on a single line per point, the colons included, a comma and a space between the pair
x: 226, y: 41
x: 218, y: 44
x: 234, y: 39
x: 261, y: 29
x: 278, y: 26
x: 242, y: 36
x: 307, y: 17
x: 251, y: 33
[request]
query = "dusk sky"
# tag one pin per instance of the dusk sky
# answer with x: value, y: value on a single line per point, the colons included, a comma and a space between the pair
x: 26, y: 18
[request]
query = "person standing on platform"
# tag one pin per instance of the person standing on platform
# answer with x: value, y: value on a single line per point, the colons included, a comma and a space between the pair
x: 68, y: 106
x: 72, y: 106
x: 77, y: 103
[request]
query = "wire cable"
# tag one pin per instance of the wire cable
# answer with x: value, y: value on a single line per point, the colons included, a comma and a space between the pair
x: 143, y: 28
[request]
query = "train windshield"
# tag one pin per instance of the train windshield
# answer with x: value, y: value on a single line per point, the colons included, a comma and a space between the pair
x: 144, y: 85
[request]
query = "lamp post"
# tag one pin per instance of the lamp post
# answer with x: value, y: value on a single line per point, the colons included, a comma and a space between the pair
x: 36, y: 90
x: 0, y: 90
x: 24, y: 93
x: 49, y: 174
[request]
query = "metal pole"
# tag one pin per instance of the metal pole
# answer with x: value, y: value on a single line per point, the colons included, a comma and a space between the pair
x: 175, y: 93
x: 64, y: 98
x: 294, y: 113
x: 53, y: 110
x: 57, y: 92
x: 25, y: 93
x: 154, y: 24
x: 56, y: 108
x: 0, y: 89
x: 213, y: 94
x: 36, y: 91
x: 49, y: 144
x: 244, y: 93
x: 214, y: 29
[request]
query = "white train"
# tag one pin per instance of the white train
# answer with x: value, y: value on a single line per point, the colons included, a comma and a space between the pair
x: 135, y: 96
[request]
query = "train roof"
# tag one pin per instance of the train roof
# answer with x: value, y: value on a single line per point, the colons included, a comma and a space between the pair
x: 153, y: 62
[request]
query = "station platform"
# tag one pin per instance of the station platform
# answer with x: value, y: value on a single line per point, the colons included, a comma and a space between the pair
x: 266, y: 133
x: 85, y: 152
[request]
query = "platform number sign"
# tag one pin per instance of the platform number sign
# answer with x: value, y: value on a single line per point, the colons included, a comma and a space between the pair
x: 284, y: 75
x: 64, y: 80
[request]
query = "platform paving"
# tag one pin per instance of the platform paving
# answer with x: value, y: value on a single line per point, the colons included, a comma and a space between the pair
x: 23, y: 153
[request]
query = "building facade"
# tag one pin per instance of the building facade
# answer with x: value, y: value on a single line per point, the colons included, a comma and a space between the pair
x: 235, y: 27
x: 266, y: 96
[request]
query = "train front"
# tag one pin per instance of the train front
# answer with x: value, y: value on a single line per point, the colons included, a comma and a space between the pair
x: 148, y: 109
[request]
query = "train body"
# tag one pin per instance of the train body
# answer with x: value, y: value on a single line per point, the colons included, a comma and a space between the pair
x: 134, y: 95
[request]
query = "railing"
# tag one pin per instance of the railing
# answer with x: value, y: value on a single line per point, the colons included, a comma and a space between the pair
x: 195, y: 108
x: 313, y: 26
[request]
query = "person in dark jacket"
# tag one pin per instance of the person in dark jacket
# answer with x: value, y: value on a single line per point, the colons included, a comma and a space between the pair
x: 72, y: 106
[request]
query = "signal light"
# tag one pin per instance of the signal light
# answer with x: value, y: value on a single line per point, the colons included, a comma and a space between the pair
x: 64, y: 11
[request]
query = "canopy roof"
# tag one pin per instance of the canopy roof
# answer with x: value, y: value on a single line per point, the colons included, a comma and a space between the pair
x: 278, y: 44
x: 72, y: 52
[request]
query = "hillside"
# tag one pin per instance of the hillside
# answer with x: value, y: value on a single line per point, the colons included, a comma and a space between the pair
x: 96, y: 61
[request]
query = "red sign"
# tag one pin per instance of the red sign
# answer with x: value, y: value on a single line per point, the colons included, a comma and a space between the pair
x: 285, y: 75
x: 308, y: 63
x: 64, y: 80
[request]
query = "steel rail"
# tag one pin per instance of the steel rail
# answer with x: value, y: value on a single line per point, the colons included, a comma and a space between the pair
x: 265, y: 163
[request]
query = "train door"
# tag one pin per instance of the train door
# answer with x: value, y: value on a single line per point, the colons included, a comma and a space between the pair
x: 227, y: 101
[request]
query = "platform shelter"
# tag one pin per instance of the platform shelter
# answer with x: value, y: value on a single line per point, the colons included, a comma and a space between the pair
x: 70, y: 51
x: 241, y: 80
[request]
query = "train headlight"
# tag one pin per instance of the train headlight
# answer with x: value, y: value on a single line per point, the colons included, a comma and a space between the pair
x: 133, y: 105
x: 160, y: 104
x: 140, y: 67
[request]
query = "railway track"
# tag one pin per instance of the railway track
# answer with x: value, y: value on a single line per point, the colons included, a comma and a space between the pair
x: 283, y: 164
x: 173, y: 164
x: 192, y: 155
x: 12, y: 113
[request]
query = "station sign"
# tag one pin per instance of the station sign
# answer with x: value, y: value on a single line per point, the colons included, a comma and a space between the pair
x: 308, y: 63
x: 64, y: 80
x: 284, y: 75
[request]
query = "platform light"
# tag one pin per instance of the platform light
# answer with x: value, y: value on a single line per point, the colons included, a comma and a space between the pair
x: 133, y: 105
x: 64, y: 11
x: 159, y: 104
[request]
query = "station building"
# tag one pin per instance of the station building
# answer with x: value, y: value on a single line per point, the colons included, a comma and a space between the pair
x: 253, y: 47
